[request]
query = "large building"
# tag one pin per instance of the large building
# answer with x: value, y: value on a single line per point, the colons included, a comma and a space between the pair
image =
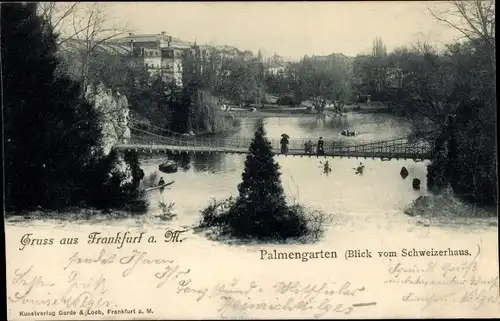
x: 160, y: 54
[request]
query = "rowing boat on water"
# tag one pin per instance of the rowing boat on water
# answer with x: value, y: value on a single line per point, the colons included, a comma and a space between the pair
x: 157, y: 187
x: 168, y: 167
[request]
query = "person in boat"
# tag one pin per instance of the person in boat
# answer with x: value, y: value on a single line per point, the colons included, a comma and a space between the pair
x: 161, y: 183
x: 320, y: 150
x: 360, y: 169
x: 326, y: 168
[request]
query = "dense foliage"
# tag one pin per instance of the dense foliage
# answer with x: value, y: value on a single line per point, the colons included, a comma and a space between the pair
x: 449, y: 97
x: 53, y: 137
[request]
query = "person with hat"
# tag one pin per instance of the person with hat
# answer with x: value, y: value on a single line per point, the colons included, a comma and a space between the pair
x: 320, y: 150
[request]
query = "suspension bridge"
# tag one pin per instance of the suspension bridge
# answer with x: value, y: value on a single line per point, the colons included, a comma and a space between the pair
x: 147, y: 138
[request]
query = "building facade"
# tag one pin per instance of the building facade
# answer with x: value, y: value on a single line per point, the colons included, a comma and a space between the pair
x: 160, y: 54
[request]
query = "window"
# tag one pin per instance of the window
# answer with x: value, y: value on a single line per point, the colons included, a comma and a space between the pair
x: 168, y: 53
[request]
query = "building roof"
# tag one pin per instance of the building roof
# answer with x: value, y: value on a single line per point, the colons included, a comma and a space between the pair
x: 104, y: 47
x: 278, y: 64
x: 151, y: 38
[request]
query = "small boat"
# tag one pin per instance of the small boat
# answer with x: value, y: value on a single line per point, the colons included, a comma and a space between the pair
x: 168, y: 167
x: 152, y: 188
x: 348, y: 133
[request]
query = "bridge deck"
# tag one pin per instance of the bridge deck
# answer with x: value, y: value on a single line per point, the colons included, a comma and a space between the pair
x: 146, y: 141
x: 154, y: 148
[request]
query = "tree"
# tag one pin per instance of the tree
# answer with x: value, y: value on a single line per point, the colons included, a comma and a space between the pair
x: 472, y: 173
x: 377, y: 65
x: 233, y: 76
x: 260, y: 209
x: 371, y: 70
x: 180, y: 105
x: 55, y: 16
x: 474, y: 20
x: 320, y: 81
x: 57, y: 160
x: 448, y: 98
x: 87, y: 26
x: 52, y: 137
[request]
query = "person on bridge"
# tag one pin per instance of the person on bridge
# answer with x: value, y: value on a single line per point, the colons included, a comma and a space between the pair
x: 320, y: 148
x: 311, y: 147
x: 284, y: 143
x: 308, y: 147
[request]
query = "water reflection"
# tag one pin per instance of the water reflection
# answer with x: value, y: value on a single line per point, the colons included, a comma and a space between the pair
x: 206, y: 162
x: 183, y: 160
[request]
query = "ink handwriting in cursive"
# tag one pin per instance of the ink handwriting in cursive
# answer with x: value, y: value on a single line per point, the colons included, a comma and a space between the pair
x: 78, y: 292
x: 129, y: 261
x: 454, y: 283
x: 289, y: 296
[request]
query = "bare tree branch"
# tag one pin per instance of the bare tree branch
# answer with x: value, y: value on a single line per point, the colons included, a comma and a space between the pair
x: 475, y: 19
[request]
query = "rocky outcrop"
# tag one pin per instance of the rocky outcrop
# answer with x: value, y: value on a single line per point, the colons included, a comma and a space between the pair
x: 113, y: 112
x: 113, y: 109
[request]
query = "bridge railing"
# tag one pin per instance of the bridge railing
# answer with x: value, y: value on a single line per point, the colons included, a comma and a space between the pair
x: 396, y: 146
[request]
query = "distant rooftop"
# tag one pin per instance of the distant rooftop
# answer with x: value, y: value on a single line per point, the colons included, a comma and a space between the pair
x: 150, y: 38
x: 338, y: 55
x: 104, y: 47
x: 278, y: 64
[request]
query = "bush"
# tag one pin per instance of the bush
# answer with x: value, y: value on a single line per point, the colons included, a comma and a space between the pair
x: 214, y: 215
x: 311, y: 224
x: 445, y: 204
x: 287, y: 101
x: 115, y: 188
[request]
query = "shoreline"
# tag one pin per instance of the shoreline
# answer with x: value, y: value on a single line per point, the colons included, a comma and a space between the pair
x: 435, y: 211
x: 302, y: 113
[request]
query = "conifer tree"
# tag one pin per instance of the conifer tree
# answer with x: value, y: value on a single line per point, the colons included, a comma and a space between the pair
x: 51, y: 136
x: 261, y: 210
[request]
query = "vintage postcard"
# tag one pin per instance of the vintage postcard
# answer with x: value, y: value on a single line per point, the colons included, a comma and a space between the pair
x: 250, y: 160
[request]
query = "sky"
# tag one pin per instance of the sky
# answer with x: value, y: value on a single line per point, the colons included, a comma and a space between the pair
x: 290, y: 29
